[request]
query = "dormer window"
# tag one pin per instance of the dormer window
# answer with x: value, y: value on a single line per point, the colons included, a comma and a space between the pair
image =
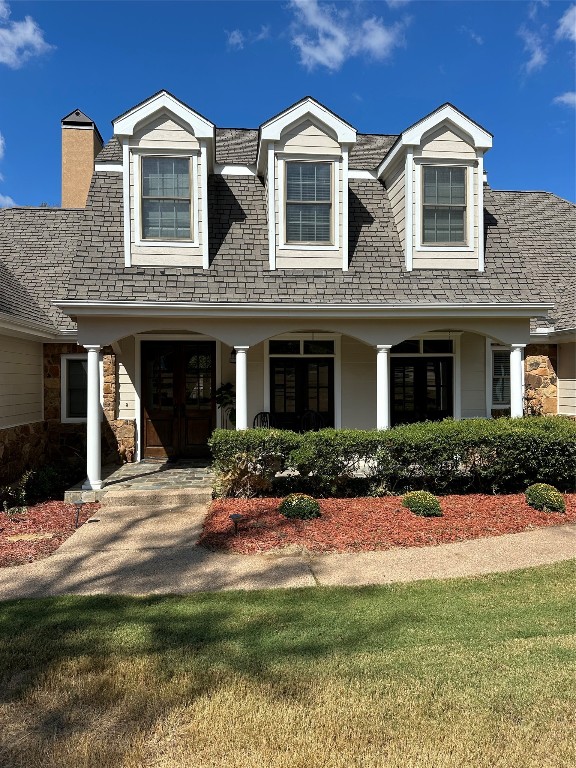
x: 166, y: 200
x: 308, y: 202
x: 444, y: 205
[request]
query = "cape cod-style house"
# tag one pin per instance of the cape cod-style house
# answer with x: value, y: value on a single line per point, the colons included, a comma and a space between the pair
x: 334, y: 278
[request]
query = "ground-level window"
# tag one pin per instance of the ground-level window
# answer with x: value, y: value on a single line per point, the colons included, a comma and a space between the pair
x: 500, y: 378
x: 74, y: 387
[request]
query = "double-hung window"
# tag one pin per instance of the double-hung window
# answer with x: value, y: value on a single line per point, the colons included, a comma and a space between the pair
x: 444, y: 205
x: 166, y: 200
x: 308, y: 202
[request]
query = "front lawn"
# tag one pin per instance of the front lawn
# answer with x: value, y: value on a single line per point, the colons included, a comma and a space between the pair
x: 476, y: 672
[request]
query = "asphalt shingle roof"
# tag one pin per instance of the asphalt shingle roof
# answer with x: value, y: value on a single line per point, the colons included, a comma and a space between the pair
x: 37, y: 246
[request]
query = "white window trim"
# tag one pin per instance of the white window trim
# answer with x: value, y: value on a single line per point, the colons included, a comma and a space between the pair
x: 137, y: 154
x: 282, y: 159
x: 64, y: 418
x: 470, y: 166
x: 491, y: 348
x: 337, y: 357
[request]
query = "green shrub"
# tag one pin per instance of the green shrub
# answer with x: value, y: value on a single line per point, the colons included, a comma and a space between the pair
x: 545, y: 497
x: 422, y: 503
x: 246, y: 461
x: 300, y: 506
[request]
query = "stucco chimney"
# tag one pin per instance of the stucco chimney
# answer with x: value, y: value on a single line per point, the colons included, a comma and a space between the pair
x: 81, y: 142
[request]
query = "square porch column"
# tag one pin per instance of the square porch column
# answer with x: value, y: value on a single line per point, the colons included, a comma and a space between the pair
x: 241, y: 388
x: 93, y: 437
x: 516, y: 380
x: 383, y: 386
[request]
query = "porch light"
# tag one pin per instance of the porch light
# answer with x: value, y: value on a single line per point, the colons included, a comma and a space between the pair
x: 233, y: 356
x: 78, y: 505
x: 236, y: 518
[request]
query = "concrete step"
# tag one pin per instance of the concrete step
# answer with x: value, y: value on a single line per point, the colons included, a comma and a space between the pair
x: 164, y: 499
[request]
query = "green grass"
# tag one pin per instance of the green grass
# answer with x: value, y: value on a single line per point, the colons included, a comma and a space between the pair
x: 476, y: 672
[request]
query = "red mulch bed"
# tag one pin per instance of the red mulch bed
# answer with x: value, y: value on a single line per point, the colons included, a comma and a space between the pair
x: 353, y: 525
x: 55, y: 519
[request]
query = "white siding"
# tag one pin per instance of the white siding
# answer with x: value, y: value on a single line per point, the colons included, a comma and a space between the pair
x: 473, y: 375
x: 308, y: 138
x: 126, y: 379
x: 567, y: 379
x: 443, y: 142
x: 21, y: 382
x: 164, y: 133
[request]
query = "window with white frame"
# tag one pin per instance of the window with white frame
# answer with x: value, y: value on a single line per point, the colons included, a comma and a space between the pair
x: 74, y: 387
x: 166, y: 198
x: 500, y: 378
x: 309, y: 202
x: 443, y: 205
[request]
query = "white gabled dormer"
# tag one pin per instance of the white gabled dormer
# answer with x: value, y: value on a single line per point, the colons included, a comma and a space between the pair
x: 303, y: 156
x: 434, y: 177
x: 168, y: 151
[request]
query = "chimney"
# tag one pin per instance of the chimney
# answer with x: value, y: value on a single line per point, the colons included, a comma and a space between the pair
x: 81, y: 142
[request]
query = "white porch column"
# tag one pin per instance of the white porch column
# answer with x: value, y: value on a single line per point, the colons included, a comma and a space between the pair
x: 241, y: 388
x: 93, y: 450
x: 383, y: 386
x: 516, y: 378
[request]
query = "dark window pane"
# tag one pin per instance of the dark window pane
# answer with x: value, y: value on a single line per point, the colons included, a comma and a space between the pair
x: 319, y: 347
x: 308, y: 181
x: 77, y: 378
x: 166, y: 177
x: 284, y: 347
x: 437, y: 346
x: 308, y: 223
x: 165, y: 219
x: 443, y: 225
x: 407, y: 346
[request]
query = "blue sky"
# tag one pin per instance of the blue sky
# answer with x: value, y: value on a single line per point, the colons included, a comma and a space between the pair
x: 381, y: 65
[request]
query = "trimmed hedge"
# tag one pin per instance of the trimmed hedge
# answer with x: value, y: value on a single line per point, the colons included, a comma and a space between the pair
x: 469, y: 456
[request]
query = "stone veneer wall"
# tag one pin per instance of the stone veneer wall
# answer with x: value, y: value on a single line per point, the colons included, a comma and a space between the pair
x: 118, y: 435
x: 21, y: 448
x: 540, y: 380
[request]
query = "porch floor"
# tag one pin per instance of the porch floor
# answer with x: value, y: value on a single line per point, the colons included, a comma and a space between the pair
x: 147, y: 475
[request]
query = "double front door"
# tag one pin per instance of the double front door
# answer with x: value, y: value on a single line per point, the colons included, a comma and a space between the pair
x: 421, y: 389
x: 178, y: 406
x: 300, y: 389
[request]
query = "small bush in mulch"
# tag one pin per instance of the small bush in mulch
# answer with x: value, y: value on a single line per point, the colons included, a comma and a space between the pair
x: 422, y: 503
x: 545, y: 497
x: 299, y: 506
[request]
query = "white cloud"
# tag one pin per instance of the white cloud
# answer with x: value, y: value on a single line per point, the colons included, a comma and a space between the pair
x: 6, y: 202
x: 235, y: 39
x: 566, y: 29
x: 534, y: 47
x: 19, y: 40
x: 568, y: 99
x: 472, y: 35
x: 534, y: 6
x: 2, y: 146
x: 396, y: 3
x: 326, y: 36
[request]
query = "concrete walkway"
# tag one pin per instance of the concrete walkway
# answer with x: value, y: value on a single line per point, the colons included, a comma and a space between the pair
x: 143, y: 542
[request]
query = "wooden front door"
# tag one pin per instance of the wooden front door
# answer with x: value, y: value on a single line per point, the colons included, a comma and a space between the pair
x: 421, y: 389
x: 178, y: 406
x: 298, y: 385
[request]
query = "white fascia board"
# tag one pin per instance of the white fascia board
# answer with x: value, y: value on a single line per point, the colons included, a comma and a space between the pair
x: 108, y: 168
x: 25, y: 330
x: 271, y: 130
x: 356, y: 174
x: 481, y: 138
x: 234, y: 170
x: 239, y: 309
x: 200, y: 127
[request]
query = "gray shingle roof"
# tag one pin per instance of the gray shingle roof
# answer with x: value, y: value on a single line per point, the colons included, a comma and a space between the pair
x: 37, y: 246
x: 239, y: 146
x: 239, y: 255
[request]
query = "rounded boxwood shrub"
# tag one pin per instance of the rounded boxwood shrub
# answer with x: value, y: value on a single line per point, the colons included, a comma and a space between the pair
x: 545, y: 498
x: 422, y: 503
x: 300, y: 506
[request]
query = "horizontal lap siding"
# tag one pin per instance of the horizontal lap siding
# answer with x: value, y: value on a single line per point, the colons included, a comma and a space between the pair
x: 358, y: 385
x: 308, y: 139
x: 126, y: 379
x: 567, y: 379
x: 473, y: 375
x: 20, y: 381
x: 395, y: 184
x: 165, y: 134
